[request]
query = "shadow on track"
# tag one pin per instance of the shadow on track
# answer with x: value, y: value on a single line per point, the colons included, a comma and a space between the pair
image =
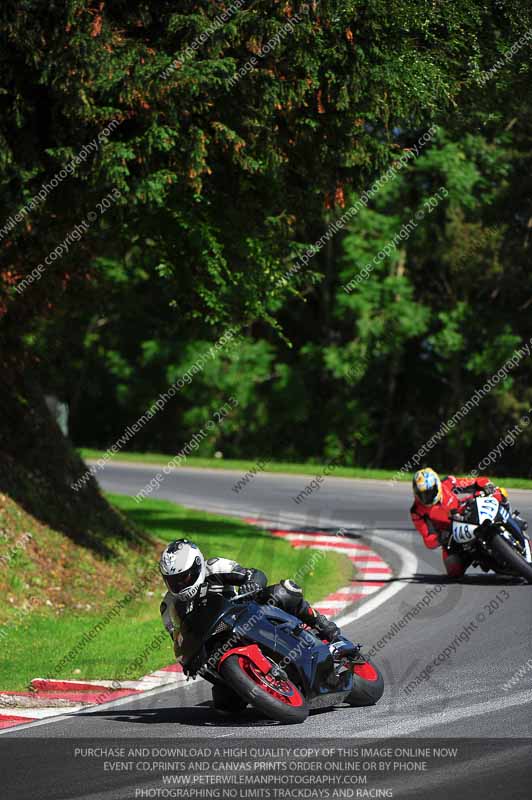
x: 489, y: 579
x: 201, y: 715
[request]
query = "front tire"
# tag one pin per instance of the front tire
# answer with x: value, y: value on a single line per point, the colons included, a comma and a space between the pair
x: 226, y: 700
x: 510, y: 557
x: 368, y: 685
x: 277, y: 699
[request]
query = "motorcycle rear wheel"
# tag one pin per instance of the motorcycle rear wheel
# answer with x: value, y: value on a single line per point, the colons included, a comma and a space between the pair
x: 511, y: 558
x: 280, y: 700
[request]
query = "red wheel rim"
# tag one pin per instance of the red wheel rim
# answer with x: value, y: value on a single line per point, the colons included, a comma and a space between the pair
x: 366, y: 671
x: 285, y: 691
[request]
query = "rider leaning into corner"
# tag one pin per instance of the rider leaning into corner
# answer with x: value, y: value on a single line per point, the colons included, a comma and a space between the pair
x: 185, y: 572
x: 435, y: 500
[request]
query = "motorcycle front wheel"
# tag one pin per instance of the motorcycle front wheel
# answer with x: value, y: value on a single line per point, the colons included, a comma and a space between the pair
x: 506, y: 554
x: 368, y: 685
x: 277, y: 699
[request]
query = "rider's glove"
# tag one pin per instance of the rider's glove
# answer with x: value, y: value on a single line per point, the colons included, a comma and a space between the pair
x: 443, y: 536
x: 178, y: 642
x: 249, y: 587
x: 255, y: 580
x: 325, y: 627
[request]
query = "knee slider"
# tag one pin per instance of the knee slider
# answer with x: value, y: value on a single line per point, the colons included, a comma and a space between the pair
x: 292, y: 587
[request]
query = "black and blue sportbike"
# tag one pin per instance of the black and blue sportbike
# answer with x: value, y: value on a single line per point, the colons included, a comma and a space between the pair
x: 266, y: 658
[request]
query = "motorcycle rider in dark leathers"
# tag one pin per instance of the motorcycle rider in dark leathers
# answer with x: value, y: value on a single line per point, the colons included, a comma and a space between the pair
x: 185, y: 571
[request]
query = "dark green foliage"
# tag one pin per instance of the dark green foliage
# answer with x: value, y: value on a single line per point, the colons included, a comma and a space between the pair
x: 224, y: 182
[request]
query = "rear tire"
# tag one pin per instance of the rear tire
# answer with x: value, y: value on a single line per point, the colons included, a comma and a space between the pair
x: 284, y: 703
x: 509, y: 557
x: 368, y: 685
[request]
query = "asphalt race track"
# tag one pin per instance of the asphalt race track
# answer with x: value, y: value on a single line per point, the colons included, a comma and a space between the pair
x: 462, y: 698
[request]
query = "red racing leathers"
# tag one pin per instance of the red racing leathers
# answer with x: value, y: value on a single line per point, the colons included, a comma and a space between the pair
x: 431, y: 521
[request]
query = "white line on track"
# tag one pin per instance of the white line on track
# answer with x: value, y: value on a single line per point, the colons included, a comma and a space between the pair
x: 275, y: 522
x: 408, y: 567
x: 410, y: 726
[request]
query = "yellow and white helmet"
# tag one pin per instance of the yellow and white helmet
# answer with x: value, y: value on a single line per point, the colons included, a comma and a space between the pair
x: 427, y: 486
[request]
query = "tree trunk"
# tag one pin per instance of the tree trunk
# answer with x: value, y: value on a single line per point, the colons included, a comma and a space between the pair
x: 38, y: 466
x: 393, y: 373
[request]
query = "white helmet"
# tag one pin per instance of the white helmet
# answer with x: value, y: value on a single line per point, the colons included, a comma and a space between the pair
x: 183, y: 568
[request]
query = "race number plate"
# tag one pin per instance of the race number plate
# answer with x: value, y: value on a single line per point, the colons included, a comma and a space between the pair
x: 487, y: 508
x: 464, y: 531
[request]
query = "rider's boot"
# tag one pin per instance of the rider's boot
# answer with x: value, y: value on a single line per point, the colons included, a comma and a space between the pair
x: 454, y: 564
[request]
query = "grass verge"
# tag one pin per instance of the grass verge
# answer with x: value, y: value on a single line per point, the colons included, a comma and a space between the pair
x: 285, y: 467
x: 34, y: 639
